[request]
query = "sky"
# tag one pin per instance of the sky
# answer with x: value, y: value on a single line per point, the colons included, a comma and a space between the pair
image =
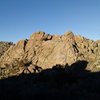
x: 20, y: 18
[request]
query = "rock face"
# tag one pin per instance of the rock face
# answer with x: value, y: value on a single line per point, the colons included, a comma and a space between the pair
x: 90, y: 51
x: 44, y: 50
x: 4, y: 46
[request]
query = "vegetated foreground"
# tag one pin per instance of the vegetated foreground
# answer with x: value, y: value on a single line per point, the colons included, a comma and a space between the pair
x: 50, y: 67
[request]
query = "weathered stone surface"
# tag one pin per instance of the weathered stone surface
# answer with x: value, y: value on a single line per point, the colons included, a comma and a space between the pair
x: 14, y: 52
x: 4, y: 46
x: 40, y: 36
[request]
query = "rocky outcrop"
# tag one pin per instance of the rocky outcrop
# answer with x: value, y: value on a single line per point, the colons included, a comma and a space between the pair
x: 44, y: 50
x: 90, y: 51
x: 4, y: 46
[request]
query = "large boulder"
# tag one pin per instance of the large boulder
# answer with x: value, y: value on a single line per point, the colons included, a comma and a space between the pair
x: 14, y: 52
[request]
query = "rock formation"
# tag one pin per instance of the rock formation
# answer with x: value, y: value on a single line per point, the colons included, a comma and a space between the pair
x: 4, y: 46
x: 44, y: 50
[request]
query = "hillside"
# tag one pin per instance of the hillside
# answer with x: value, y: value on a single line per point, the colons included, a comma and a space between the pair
x: 51, y: 67
x: 45, y: 50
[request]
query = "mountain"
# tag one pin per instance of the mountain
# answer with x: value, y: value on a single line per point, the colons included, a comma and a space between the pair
x: 44, y: 51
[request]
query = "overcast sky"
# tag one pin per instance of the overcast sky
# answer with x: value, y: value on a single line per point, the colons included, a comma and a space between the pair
x: 20, y: 18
